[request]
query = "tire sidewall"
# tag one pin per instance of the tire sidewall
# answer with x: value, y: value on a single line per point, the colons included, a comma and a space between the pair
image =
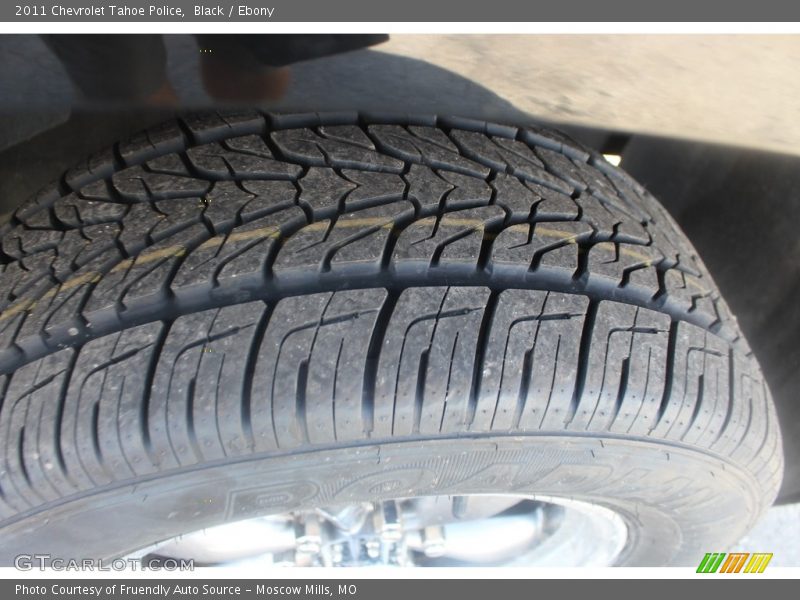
x: 677, y: 503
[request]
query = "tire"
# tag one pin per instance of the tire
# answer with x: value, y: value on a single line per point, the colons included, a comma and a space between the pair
x: 235, y: 315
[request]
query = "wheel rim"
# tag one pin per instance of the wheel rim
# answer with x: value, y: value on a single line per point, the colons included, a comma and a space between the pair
x: 425, y: 531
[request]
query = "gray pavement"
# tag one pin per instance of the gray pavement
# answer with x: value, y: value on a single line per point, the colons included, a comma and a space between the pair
x: 733, y: 89
x: 777, y: 532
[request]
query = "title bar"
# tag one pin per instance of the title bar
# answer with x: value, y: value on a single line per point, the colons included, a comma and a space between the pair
x: 338, y: 11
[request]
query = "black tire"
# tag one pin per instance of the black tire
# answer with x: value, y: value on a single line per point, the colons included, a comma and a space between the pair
x: 244, y: 314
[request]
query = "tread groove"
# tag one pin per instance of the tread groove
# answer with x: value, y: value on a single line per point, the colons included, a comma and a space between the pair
x: 583, y: 360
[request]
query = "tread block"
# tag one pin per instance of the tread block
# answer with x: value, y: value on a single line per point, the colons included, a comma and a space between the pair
x: 257, y: 162
x: 99, y: 164
x: 425, y: 367
x: 554, y: 206
x: 609, y: 221
x: 195, y: 411
x: 626, y: 264
x: 21, y: 276
x: 626, y: 367
x: 155, y: 141
x: 357, y: 237
x: 552, y: 245
x: 135, y: 184
x: 426, y: 146
x: 229, y: 203
x: 242, y: 251
x: 373, y: 188
x: 530, y: 361
x: 298, y: 391
x: 207, y: 126
x: 323, y: 190
x: 698, y: 393
x: 427, y: 187
x: 102, y: 420
x: 147, y: 275
x: 308, y: 147
x: 455, y: 236
x: 513, y: 195
x: 30, y: 472
x: 74, y: 211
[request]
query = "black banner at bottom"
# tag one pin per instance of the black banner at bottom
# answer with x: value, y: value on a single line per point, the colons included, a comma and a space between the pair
x: 388, y: 589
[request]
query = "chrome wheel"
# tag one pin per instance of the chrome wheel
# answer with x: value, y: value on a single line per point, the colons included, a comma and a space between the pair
x: 469, y: 530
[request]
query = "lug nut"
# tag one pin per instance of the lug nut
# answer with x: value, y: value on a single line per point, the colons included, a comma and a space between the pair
x: 433, y: 544
x: 387, y: 522
x: 309, y: 538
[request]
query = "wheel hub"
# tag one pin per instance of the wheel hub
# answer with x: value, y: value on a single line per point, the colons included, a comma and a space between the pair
x: 464, y: 530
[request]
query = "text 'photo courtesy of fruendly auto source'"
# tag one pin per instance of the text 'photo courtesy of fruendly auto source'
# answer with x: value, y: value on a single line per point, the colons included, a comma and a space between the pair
x: 500, y: 301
